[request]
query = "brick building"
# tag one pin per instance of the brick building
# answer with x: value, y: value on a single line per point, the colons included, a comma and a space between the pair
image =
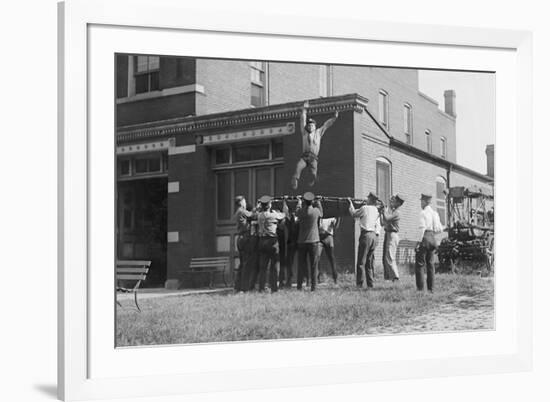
x: 193, y: 133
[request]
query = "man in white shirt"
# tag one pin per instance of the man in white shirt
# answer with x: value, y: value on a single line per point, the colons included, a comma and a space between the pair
x: 429, y: 224
x: 369, y: 221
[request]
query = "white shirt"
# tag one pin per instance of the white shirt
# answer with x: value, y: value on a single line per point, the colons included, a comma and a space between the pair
x: 429, y: 220
x: 369, y: 217
x: 327, y: 225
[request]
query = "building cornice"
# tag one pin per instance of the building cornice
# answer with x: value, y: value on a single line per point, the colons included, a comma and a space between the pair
x: 238, y: 118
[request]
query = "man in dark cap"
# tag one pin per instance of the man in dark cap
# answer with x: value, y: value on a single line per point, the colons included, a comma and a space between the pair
x: 242, y: 219
x: 308, y: 213
x: 268, y: 220
x: 311, y: 145
x: 390, y: 217
x: 429, y: 225
x: 369, y: 222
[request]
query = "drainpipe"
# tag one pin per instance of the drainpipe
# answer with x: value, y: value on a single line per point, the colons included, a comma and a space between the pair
x: 449, y: 169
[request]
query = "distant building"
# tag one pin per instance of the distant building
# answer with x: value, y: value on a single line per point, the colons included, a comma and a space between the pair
x: 194, y: 133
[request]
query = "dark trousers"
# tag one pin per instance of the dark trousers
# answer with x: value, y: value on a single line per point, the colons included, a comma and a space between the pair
x: 365, y: 258
x: 242, y: 275
x: 424, y: 257
x: 327, y: 243
x: 253, y: 266
x: 308, y: 261
x: 269, y: 262
x: 287, y: 269
x: 283, y: 250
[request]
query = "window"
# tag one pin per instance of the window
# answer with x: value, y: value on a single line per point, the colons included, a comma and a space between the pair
x: 440, y: 199
x: 383, y: 108
x: 325, y: 80
x: 146, y: 73
x: 383, y: 179
x: 257, y: 83
x: 407, y: 123
x: 143, y: 164
x: 443, y: 147
x: 251, y: 183
x: 428, y: 135
x: 244, y: 153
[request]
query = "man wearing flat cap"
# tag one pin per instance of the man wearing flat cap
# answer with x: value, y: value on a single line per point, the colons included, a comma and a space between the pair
x: 369, y: 222
x: 429, y: 224
x: 390, y: 217
x: 268, y: 248
x: 311, y: 145
x: 308, y: 212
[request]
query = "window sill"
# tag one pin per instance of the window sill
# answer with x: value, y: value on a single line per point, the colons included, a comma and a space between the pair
x: 193, y: 88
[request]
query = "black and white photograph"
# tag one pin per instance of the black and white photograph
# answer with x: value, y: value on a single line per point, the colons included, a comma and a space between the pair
x: 271, y: 200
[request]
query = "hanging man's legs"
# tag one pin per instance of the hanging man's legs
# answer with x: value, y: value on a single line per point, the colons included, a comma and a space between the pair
x: 299, y: 167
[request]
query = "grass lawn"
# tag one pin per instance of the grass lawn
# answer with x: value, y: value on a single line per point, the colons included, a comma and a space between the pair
x: 457, y: 303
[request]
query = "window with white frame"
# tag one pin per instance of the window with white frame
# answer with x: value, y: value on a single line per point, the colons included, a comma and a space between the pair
x: 258, y: 83
x: 146, y: 73
x: 428, y: 135
x: 443, y: 147
x: 383, y: 108
x: 383, y: 179
x: 407, y: 123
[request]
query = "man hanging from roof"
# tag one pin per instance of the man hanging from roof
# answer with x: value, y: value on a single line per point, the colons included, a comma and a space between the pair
x: 311, y: 145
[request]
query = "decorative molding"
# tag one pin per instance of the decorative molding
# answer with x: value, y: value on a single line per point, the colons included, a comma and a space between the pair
x: 246, y: 135
x: 144, y: 147
x: 223, y: 121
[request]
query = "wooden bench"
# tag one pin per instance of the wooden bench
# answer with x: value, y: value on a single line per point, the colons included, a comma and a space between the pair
x: 209, y: 265
x: 131, y: 271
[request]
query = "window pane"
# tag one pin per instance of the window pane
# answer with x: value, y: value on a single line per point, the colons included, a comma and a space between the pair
x: 141, y: 64
x: 223, y: 192
x: 256, y: 95
x: 428, y: 142
x: 277, y: 149
x: 251, y: 152
x: 154, y: 81
x: 242, y: 184
x: 142, y: 83
x: 263, y: 182
x: 140, y: 165
x: 222, y: 155
x: 154, y: 164
x: 383, y: 184
x: 443, y: 148
x: 124, y: 167
x: 154, y: 62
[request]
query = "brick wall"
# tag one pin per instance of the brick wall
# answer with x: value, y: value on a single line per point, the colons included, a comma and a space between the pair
x: 290, y: 82
x: 226, y: 85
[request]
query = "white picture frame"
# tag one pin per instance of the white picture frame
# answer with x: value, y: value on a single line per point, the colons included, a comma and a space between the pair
x: 82, y: 32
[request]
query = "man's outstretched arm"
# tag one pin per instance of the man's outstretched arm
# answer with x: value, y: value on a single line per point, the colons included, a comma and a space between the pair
x: 328, y: 123
x: 303, y: 118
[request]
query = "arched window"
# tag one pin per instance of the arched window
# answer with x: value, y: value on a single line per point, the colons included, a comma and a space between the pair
x: 383, y: 179
x: 440, y: 199
x: 428, y: 135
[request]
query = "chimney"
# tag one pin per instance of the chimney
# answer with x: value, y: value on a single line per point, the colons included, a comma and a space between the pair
x: 450, y: 102
x: 490, y: 152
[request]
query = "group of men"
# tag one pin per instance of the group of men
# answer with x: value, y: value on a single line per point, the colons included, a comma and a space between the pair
x: 269, y: 238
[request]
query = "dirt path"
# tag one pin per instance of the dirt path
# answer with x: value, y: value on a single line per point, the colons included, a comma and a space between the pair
x: 464, y: 313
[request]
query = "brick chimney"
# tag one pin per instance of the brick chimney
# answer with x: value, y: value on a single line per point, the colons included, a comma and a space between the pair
x: 450, y: 102
x: 490, y: 152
